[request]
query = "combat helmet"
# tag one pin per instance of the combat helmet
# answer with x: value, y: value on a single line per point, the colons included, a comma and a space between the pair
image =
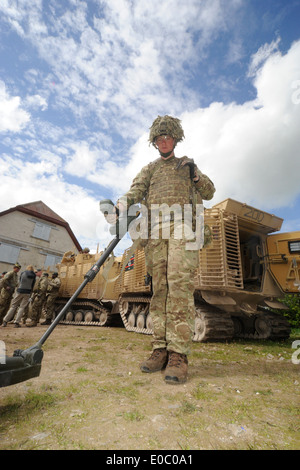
x: 166, y: 125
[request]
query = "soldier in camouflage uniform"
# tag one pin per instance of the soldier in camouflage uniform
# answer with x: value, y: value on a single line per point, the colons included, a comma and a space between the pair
x: 8, y: 284
x: 169, y: 180
x: 38, y: 300
x: 52, y: 293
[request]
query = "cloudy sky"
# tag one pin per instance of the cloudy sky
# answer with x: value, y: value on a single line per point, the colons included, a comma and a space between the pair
x: 81, y: 82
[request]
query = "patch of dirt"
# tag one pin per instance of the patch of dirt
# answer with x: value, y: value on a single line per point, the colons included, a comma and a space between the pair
x: 92, y: 395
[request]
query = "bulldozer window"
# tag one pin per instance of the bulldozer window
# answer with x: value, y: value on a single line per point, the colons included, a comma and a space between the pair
x: 252, y: 268
x: 294, y: 247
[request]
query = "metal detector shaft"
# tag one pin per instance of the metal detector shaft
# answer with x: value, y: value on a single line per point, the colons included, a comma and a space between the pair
x: 26, y: 364
x: 89, y: 276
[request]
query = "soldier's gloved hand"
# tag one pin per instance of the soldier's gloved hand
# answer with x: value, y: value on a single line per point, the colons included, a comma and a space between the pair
x: 120, y: 207
x: 192, y: 166
x: 111, y: 218
x: 109, y: 211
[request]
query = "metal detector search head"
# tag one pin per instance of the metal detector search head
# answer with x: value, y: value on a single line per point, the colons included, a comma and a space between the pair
x: 22, y: 366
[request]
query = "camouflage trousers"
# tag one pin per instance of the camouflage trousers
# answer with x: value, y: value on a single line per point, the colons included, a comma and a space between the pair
x: 172, y: 307
x: 5, y: 299
x: 50, y: 306
x: 36, y: 308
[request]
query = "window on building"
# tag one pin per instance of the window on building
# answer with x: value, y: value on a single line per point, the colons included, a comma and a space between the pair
x: 42, y: 231
x: 9, y: 253
x: 52, y: 260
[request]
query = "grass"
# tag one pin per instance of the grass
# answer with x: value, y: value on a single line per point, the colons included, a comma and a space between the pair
x: 134, y: 415
x: 240, y: 395
x: 32, y: 402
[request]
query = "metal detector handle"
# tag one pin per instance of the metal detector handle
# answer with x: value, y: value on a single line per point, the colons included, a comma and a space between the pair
x: 121, y: 223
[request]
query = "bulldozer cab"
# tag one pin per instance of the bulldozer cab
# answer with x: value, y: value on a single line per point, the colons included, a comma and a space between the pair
x: 284, y: 260
x: 236, y: 259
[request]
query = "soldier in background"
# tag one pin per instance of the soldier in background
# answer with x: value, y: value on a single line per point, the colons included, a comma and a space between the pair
x: 21, y: 297
x: 169, y: 180
x: 38, y: 272
x: 52, y: 293
x: 68, y: 258
x: 38, y: 300
x: 8, y: 284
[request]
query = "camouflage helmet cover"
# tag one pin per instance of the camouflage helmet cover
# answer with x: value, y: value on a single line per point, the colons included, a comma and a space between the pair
x: 166, y: 125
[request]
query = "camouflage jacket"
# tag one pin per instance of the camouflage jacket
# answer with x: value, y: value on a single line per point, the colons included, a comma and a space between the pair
x: 162, y: 181
x: 41, y: 285
x: 10, y: 281
x: 168, y: 182
x: 53, y: 286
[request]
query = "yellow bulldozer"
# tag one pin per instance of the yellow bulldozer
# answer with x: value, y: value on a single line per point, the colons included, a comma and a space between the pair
x: 241, y: 275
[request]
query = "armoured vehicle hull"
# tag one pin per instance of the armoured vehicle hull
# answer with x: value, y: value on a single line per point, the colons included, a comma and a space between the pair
x: 245, y: 269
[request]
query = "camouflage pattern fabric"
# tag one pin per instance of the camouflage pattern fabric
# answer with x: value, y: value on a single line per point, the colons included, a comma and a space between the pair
x: 39, y: 298
x: 164, y: 181
x: 172, y: 305
x: 5, y: 299
x: 52, y: 294
x: 9, y: 283
x: 49, y: 306
x: 35, y: 308
x: 170, y: 264
x: 166, y: 125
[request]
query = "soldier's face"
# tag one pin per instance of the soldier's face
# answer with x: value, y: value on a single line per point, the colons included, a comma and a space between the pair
x: 165, y: 144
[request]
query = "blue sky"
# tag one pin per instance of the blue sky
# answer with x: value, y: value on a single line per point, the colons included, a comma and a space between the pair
x: 81, y: 82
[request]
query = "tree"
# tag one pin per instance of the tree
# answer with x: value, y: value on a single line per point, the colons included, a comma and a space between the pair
x: 292, y: 301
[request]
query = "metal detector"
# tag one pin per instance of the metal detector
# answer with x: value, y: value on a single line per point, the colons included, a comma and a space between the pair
x: 26, y: 364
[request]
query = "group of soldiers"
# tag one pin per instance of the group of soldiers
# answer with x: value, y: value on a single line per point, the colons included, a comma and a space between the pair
x: 24, y: 298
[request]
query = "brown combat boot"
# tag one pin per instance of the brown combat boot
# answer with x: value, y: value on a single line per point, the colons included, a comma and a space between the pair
x: 157, y: 361
x: 177, y: 367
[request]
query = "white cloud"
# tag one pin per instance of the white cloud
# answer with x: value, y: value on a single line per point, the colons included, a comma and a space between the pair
x: 83, y: 162
x: 12, y: 116
x: 251, y: 151
x: 27, y: 182
x: 263, y: 53
x: 36, y: 102
x: 124, y: 69
x: 119, y: 65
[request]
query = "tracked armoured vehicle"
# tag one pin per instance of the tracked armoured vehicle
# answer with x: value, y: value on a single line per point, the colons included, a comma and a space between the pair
x: 245, y: 269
